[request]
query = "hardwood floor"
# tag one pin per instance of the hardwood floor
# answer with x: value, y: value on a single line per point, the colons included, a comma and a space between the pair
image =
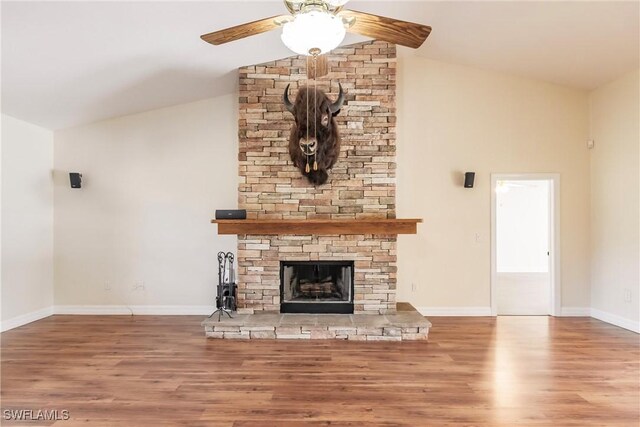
x: 161, y: 371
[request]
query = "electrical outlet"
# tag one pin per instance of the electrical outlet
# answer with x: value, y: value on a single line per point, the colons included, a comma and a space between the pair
x: 413, y: 287
x: 107, y: 285
x: 478, y: 237
x: 627, y: 295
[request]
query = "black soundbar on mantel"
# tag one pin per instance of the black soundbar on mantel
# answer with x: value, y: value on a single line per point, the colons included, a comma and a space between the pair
x: 231, y: 214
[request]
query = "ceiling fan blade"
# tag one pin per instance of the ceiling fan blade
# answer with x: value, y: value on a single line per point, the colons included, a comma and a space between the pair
x: 386, y: 29
x: 245, y: 30
x: 317, y: 67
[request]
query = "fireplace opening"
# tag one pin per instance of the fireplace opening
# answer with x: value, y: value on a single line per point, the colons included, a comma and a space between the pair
x: 316, y: 287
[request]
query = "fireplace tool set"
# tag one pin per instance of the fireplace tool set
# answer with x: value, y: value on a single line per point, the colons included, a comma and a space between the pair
x: 226, y: 301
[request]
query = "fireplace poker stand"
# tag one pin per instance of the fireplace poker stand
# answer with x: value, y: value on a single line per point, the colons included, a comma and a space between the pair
x: 226, y: 300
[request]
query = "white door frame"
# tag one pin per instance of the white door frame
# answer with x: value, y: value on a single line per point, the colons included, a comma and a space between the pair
x: 554, y: 238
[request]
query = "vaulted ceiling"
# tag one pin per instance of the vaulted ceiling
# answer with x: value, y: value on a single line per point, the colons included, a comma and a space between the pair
x: 69, y: 63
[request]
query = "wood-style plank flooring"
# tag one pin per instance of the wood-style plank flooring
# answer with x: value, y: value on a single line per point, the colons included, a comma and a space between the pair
x: 161, y: 371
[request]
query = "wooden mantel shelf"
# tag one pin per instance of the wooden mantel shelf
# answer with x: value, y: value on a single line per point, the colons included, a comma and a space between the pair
x: 317, y: 226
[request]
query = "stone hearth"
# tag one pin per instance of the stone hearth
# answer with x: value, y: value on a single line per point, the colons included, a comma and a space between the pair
x: 401, y: 326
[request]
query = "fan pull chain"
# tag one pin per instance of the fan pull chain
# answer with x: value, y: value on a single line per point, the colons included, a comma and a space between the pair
x: 315, y: 103
x: 306, y: 169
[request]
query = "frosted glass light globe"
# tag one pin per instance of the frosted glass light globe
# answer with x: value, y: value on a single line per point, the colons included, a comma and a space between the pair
x: 313, y: 30
x: 336, y: 3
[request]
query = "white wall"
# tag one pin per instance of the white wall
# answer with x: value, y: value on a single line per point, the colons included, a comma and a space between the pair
x: 153, y: 180
x: 453, y: 119
x: 615, y: 212
x: 27, y: 222
x: 151, y: 183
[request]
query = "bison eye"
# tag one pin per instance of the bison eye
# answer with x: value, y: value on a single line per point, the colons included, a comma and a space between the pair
x: 325, y: 120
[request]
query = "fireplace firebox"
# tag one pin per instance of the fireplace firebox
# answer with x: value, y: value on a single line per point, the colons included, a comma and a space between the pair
x: 316, y: 287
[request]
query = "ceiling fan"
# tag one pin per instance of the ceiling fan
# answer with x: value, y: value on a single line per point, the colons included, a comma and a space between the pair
x: 315, y: 27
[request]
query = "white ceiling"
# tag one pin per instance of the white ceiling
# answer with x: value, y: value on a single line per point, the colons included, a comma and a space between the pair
x: 68, y: 63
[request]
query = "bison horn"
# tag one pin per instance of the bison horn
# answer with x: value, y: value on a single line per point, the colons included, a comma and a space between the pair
x: 285, y: 98
x: 336, y: 106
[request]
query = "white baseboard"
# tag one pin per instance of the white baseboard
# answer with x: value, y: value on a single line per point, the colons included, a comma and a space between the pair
x: 203, y: 310
x: 14, y: 322
x: 616, y: 320
x: 157, y: 310
x: 486, y: 311
x: 575, y: 312
x: 454, y: 311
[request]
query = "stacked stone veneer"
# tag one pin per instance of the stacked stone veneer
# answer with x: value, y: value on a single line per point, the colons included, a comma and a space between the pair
x: 351, y: 333
x: 362, y: 184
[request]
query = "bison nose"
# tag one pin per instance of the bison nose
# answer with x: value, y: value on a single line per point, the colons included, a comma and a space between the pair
x: 308, y: 146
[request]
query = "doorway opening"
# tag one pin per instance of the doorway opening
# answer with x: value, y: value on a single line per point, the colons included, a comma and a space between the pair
x: 524, y: 244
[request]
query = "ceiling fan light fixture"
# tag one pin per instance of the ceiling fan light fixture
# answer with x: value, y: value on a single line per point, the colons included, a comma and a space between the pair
x: 312, y: 31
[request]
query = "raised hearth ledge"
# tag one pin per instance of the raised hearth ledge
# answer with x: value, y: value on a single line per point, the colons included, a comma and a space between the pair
x: 317, y: 226
x: 402, y: 326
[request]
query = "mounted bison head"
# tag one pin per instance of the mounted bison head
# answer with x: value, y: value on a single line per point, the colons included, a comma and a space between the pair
x: 314, y: 144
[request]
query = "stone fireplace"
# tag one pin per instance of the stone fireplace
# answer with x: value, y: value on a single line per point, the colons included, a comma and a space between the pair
x: 361, y: 185
x: 316, y: 287
x: 319, y: 262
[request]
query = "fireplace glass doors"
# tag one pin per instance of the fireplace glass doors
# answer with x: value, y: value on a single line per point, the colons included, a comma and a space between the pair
x: 316, y: 287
